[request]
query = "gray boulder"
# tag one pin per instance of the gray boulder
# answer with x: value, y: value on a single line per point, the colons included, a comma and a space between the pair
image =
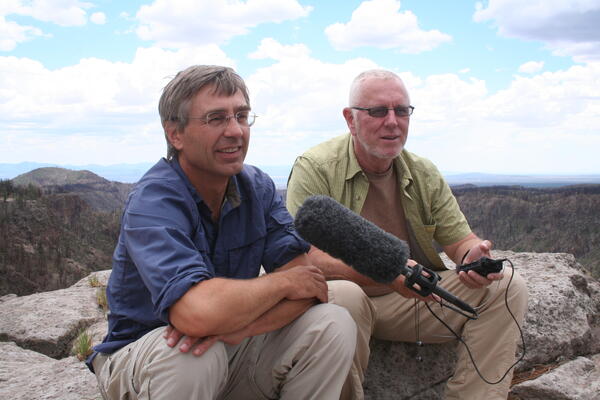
x: 48, y: 322
x: 577, y: 380
x: 26, y: 374
x: 562, y: 324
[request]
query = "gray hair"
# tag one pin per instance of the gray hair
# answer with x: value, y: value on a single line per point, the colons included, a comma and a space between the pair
x: 355, y: 87
x: 174, y: 103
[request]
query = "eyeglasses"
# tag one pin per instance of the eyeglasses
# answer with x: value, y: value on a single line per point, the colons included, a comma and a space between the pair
x: 220, y: 119
x: 382, y: 112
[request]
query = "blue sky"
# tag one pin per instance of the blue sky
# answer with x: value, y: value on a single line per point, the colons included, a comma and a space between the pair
x: 500, y: 86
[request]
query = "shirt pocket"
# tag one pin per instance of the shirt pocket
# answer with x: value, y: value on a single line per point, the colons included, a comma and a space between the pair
x: 244, y: 261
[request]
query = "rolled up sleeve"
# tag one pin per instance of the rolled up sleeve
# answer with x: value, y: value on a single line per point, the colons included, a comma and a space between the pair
x: 283, y: 243
x: 161, y: 239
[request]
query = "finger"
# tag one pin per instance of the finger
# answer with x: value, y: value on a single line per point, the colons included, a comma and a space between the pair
x: 485, y: 247
x: 187, y: 343
x: 204, y: 345
x: 434, y: 297
x: 479, y: 279
x: 467, y: 280
x: 320, y: 278
x: 322, y: 293
x: 173, y: 337
x: 496, y: 276
x: 316, y: 270
x: 167, y: 332
x: 323, y: 297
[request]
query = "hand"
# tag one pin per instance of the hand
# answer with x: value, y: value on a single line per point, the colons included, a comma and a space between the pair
x: 472, y: 279
x: 199, y: 345
x: 306, y: 281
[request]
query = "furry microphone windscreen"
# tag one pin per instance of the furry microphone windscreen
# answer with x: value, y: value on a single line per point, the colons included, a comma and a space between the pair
x: 343, y: 234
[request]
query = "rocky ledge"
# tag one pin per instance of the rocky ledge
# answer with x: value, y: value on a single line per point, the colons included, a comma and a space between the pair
x: 561, y: 330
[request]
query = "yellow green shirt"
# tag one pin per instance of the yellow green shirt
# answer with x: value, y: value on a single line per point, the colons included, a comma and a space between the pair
x: 432, y: 212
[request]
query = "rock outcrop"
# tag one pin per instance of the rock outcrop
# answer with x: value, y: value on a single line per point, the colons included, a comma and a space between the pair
x: 562, y: 328
x: 562, y: 323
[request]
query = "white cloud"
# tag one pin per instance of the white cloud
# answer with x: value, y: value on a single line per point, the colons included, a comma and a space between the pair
x: 568, y: 27
x: 12, y: 34
x: 548, y: 100
x: 534, y: 125
x: 60, y: 12
x: 531, y: 67
x: 106, y: 112
x: 379, y: 23
x: 458, y: 123
x: 270, y: 48
x: 98, y: 18
x: 189, y: 22
x: 299, y: 100
x: 94, y: 101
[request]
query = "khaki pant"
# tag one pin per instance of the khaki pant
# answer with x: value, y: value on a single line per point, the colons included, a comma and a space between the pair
x: 492, y: 338
x: 307, y: 359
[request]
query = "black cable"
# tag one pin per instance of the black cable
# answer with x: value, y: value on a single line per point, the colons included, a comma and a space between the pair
x: 460, y: 339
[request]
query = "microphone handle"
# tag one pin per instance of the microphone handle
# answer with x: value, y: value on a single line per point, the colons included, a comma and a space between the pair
x: 429, y: 284
x: 450, y: 298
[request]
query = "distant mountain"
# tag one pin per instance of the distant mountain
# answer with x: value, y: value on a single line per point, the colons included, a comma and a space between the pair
x: 53, y: 176
x: 131, y: 173
x: 127, y: 173
x: 480, y: 179
x: 101, y: 194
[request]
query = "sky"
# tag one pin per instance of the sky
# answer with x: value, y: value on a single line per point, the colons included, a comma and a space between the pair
x: 499, y: 86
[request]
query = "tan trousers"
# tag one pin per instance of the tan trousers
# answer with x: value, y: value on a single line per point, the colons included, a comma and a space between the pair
x: 492, y: 338
x: 307, y: 359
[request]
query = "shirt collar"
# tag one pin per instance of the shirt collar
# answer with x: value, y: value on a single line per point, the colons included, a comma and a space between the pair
x: 354, y: 167
x: 232, y: 192
x: 402, y: 169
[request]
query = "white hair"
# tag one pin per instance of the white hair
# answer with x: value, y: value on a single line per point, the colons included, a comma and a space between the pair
x: 356, y: 85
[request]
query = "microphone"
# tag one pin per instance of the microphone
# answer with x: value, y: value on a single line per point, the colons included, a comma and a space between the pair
x: 364, y: 246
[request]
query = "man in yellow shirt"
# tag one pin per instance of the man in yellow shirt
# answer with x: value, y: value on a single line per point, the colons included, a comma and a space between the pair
x: 370, y: 172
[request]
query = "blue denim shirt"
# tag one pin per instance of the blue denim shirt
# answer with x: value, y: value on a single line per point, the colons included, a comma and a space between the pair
x: 168, y: 243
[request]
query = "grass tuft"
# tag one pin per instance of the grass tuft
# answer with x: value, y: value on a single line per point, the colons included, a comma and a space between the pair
x: 94, y: 281
x: 101, y: 299
x: 82, y: 347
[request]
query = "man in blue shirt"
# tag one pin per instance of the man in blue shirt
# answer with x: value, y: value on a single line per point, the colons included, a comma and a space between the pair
x: 195, y: 231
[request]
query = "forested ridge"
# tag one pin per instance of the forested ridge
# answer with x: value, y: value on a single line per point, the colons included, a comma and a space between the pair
x: 54, y: 230
x: 50, y: 237
x: 556, y: 220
